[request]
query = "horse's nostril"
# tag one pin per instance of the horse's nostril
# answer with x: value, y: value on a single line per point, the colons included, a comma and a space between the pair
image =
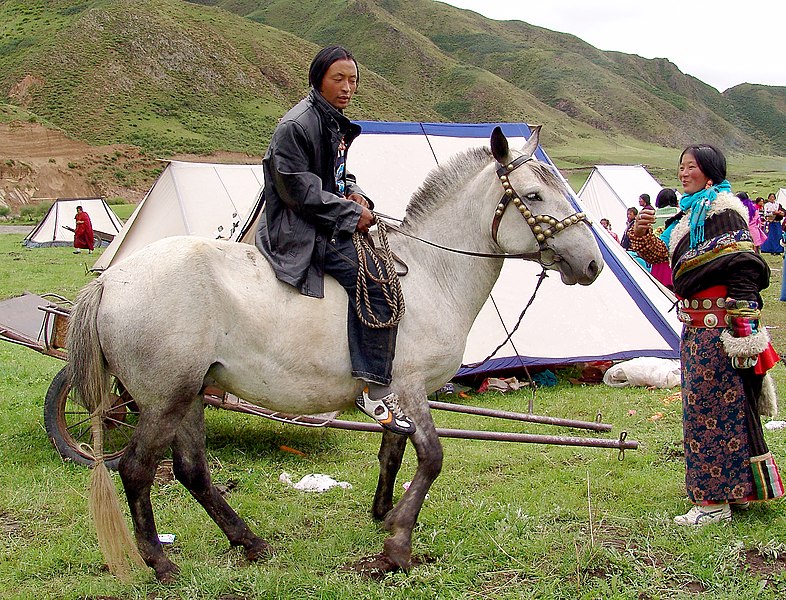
x: 593, y: 270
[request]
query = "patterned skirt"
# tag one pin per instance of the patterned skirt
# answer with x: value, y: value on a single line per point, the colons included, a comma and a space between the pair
x: 726, y: 457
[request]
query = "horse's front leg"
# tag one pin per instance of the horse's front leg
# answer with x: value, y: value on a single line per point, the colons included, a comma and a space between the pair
x: 400, y: 521
x: 391, y: 452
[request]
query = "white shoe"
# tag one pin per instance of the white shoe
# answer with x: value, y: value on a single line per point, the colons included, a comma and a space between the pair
x: 704, y: 515
x: 386, y: 412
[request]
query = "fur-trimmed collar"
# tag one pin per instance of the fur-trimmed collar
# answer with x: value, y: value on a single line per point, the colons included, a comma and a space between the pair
x: 724, y: 201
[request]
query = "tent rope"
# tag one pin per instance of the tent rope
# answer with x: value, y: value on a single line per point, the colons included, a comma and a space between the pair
x: 541, y: 278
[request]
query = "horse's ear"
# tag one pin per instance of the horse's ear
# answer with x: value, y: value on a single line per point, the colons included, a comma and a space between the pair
x: 533, y: 141
x: 499, y: 146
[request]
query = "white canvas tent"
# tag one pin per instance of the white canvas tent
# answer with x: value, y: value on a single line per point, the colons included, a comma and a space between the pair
x: 780, y: 197
x: 610, y: 190
x: 57, y: 226
x: 623, y: 315
x: 204, y: 199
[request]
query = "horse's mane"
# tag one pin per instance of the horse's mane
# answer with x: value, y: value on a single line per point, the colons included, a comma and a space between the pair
x: 441, y: 181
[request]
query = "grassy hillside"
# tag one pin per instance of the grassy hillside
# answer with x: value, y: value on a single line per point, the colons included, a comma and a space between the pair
x: 173, y: 77
x: 168, y: 76
x: 613, y: 93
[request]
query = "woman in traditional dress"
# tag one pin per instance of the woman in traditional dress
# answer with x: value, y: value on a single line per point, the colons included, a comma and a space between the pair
x: 725, y: 353
x: 754, y: 220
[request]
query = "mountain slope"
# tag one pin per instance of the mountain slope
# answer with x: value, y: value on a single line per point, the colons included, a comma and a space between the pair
x: 612, y: 92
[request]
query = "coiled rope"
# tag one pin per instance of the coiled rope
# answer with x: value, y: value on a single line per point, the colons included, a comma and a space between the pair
x: 383, y: 274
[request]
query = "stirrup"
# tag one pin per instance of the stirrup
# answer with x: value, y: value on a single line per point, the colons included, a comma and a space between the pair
x: 386, y: 412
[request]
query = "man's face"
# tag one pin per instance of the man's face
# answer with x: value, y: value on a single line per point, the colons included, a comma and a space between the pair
x: 339, y: 83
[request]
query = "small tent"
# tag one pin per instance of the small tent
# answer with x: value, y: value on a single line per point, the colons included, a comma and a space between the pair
x: 57, y: 226
x: 204, y: 199
x: 780, y: 197
x: 610, y: 190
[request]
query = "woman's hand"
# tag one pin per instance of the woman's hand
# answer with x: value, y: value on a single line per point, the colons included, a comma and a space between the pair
x: 644, y: 222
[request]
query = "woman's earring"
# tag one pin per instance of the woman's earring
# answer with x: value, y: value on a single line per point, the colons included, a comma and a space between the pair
x: 708, y: 185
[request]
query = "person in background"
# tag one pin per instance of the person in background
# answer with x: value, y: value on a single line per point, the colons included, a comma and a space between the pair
x: 312, y: 209
x: 645, y: 201
x: 725, y: 352
x: 665, y: 207
x: 754, y: 220
x: 606, y: 224
x: 83, y: 234
x: 773, y: 215
x: 759, y: 202
x: 631, y: 214
x: 770, y: 207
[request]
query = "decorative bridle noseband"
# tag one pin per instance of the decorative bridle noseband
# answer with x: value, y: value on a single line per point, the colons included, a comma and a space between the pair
x: 543, y: 226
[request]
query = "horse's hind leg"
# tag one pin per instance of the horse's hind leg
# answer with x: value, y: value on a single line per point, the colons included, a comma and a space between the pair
x: 191, y: 469
x: 153, y: 435
x: 391, y: 452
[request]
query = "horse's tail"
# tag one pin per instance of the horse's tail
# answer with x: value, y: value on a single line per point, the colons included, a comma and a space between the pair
x: 90, y: 378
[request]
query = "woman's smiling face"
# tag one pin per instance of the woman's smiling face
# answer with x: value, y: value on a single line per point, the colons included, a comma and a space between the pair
x: 691, y: 176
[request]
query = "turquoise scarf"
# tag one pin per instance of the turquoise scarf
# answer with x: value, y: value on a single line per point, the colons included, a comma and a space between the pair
x: 699, y: 204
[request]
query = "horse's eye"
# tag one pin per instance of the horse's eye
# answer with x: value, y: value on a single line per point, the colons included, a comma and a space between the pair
x: 533, y: 196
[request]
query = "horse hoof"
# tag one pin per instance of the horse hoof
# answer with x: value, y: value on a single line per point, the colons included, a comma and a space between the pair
x: 168, y: 573
x: 399, y: 553
x: 259, y: 548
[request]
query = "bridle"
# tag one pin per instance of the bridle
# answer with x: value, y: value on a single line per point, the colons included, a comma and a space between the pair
x: 543, y: 226
x: 535, y: 222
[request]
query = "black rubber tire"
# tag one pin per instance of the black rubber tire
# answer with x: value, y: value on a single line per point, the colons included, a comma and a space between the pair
x: 67, y: 423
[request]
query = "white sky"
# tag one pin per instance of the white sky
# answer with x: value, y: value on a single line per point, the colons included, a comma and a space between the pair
x: 721, y: 43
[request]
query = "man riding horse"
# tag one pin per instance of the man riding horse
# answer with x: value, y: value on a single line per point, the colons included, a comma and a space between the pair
x: 312, y: 209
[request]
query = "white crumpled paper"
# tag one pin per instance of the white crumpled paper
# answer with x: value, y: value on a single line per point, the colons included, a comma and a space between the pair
x: 316, y: 482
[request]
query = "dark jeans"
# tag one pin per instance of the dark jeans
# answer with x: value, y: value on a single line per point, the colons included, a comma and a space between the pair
x: 371, y: 350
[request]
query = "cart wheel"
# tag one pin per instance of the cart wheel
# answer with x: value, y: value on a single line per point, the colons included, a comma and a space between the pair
x: 67, y: 422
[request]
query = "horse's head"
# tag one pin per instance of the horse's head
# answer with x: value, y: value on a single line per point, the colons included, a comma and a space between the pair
x: 535, y: 215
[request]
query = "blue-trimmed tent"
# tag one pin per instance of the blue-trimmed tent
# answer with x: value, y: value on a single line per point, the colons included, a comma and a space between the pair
x: 624, y: 314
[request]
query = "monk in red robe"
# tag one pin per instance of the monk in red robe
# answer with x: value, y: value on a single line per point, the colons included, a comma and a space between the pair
x: 83, y: 234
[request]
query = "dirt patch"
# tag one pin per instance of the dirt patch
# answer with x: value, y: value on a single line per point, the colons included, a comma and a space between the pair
x: 377, y: 566
x: 9, y: 524
x: 765, y: 564
x: 40, y: 164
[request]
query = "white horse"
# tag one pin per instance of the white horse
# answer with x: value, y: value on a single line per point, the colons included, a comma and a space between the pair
x: 186, y: 312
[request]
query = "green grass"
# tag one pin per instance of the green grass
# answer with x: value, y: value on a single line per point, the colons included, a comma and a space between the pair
x: 502, y: 521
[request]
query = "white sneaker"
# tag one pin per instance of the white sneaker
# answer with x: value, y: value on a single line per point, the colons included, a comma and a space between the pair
x: 704, y: 515
x: 386, y: 412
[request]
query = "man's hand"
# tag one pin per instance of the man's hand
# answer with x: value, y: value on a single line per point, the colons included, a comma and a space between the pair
x: 355, y: 197
x: 367, y: 219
